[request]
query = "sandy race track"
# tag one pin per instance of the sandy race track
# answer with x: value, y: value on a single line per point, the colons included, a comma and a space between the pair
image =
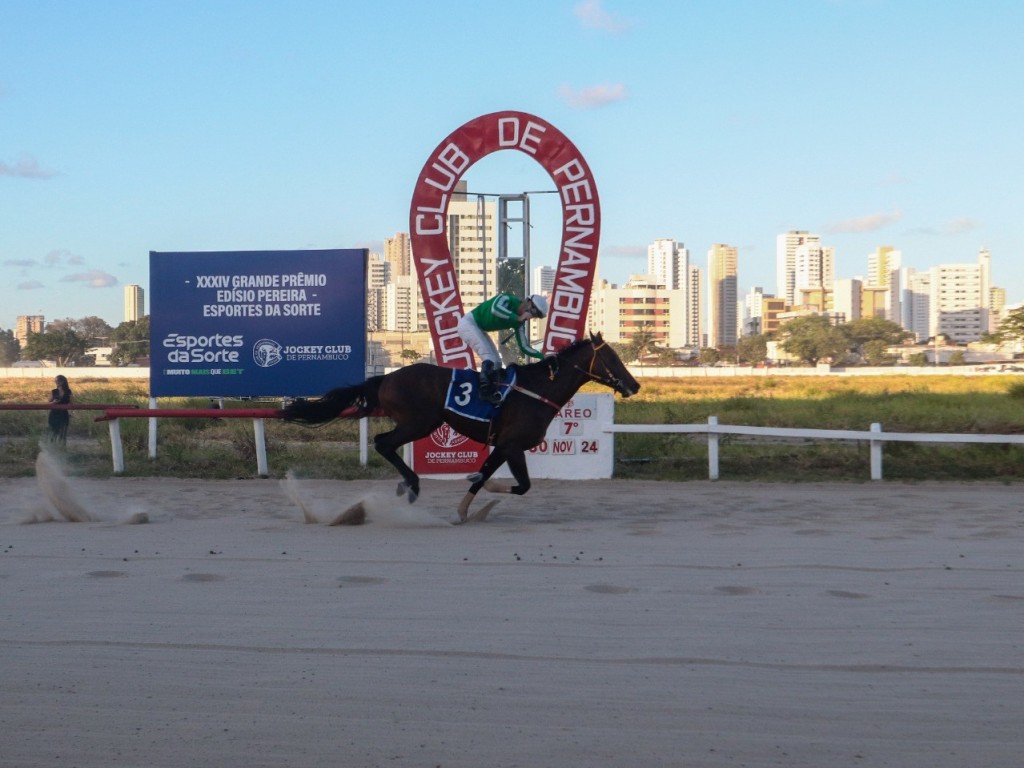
x: 587, y: 624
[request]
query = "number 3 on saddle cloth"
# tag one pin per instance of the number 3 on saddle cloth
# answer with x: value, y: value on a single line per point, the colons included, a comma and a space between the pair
x: 463, y: 395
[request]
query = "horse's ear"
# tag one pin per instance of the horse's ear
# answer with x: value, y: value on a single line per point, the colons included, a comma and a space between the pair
x: 596, y: 337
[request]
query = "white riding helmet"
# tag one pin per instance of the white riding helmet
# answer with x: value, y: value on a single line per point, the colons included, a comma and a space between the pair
x: 540, y: 303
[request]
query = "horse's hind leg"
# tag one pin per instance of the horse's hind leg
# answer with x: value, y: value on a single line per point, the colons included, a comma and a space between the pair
x: 489, y: 467
x: 387, y: 445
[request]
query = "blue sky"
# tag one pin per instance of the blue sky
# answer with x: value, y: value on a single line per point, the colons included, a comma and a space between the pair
x: 131, y: 126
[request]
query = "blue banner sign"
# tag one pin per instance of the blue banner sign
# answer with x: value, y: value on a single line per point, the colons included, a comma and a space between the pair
x: 256, y: 323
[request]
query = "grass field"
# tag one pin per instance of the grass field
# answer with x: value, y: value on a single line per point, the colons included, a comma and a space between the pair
x: 225, y: 448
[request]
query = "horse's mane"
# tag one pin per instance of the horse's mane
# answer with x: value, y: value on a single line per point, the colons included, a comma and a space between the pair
x: 559, y: 355
x: 568, y: 349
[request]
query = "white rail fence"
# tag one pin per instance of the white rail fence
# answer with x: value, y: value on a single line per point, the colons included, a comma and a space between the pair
x: 875, y: 437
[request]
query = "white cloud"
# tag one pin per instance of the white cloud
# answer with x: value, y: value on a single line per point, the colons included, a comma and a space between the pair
x: 94, y: 278
x: 869, y: 223
x: 592, y: 15
x: 960, y: 225
x: 594, y: 96
x: 60, y: 256
x: 624, y: 251
x: 29, y: 285
x: 26, y: 167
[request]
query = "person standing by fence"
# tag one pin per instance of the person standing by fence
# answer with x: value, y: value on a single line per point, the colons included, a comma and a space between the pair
x: 59, y: 418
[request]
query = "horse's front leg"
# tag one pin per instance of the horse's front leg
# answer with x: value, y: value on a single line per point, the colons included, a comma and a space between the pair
x: 517, y: 464
x: 387, y: 445
x: 479, y: 478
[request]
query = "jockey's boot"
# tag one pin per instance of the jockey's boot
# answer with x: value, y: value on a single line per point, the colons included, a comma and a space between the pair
x: 489, y: 383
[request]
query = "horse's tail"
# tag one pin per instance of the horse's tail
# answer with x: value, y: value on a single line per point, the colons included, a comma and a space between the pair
x: 360, y: 398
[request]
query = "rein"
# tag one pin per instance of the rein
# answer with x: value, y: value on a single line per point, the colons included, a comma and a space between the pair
x: 606, y: 378
x: 535, y: 396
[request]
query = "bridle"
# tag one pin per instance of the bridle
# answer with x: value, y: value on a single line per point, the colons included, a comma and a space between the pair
x: 606, y: 378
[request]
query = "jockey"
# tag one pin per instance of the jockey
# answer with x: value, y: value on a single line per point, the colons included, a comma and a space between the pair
x: 502, y: 312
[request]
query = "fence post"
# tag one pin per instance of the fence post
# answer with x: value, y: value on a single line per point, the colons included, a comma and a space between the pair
x: 260, y: 434
x: 116, y: 449
x: 876, y: 454
x: 152, y: 429
x: 712, y: 448
x: 364, y: 431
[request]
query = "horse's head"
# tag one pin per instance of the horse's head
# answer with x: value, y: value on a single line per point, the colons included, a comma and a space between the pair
x: 607, y: 368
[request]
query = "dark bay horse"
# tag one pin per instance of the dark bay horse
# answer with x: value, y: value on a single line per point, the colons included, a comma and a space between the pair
x: 414, y: 398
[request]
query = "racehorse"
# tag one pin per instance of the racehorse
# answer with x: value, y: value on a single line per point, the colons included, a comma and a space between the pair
x: 414, y: 397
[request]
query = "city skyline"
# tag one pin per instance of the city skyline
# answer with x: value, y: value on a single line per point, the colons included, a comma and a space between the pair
x: 127, y: 127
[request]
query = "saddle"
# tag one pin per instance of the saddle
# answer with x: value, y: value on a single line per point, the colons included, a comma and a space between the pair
x: 463, y: 395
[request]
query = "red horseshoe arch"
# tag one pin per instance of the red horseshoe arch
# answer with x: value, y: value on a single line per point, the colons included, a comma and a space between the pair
x: 428, y: 226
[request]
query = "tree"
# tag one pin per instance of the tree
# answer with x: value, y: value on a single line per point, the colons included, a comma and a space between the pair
x: 666, y: 356
x: 10, y: 348
x: 410, y: 355
x: 752, y: 349
x: 812, y: 338
x: 876, y: 352
x: 95, y: 330
x: 130, y: 341
x: 709, y: 356
x: 64, y: 347
x: 511, y: 277
x: 866, y: 330
x: 1011, y: 328
x: 641, y: 341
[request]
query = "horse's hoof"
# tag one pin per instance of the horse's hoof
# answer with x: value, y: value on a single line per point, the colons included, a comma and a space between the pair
x: 413, y: 495
x: 476, y: 477
x: 496, y: 487
x: 401, y: 488
x: 481, y: 514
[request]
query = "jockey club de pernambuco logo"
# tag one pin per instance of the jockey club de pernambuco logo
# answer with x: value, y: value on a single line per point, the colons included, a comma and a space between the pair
x: 446, y: 437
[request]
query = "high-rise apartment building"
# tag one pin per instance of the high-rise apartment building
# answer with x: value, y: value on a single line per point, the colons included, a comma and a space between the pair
x: 996, y: 308
x: 951, y: 300
x: 882, y: 262
x: 814, y: 268
x: 398, y: 254
x: 134, y: 303
x: 722, y: 292
x: 473, y: 245
x: 884, y: 265
x: 668, y: 263
x: 378, y: 275
x: 751, y: 318
x: 916, y: 305
x: 543, y: 281
x: 958, y: 304
x: 694, y: 317
x: 26, y: 324
x: 403, y: 305
x: 847, y: 298
x: 786, y: 261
